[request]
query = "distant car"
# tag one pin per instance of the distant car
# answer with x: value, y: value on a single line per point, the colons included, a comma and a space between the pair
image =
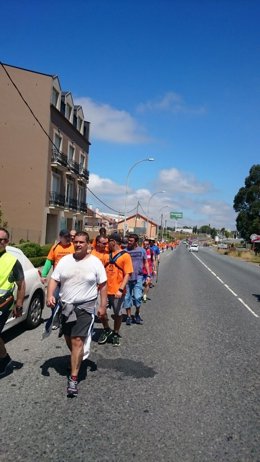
x: 222, y: 245
x: 194, y: 247
x: 34, y: 293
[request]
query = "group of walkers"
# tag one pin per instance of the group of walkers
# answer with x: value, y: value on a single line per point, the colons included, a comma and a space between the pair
x: 113, y: 272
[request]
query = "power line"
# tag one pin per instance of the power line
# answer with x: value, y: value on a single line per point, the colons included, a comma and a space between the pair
x: 102, y: 202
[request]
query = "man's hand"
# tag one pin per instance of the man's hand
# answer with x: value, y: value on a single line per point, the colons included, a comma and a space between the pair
x: 17, y: 311
x: 51, y: 302
x: 102, y: 311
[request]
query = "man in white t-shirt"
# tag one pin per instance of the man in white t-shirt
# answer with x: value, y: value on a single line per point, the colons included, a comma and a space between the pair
x: 80, y: 275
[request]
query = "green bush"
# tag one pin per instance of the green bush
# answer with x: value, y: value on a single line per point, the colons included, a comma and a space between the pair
x: 30, y: 249
x: 46, y: 249
x: 37, y: 261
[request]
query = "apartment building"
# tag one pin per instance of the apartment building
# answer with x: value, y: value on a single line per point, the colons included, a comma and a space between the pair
x: 44, y: 145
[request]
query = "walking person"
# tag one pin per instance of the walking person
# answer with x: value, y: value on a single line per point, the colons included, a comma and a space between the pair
x: 118, y: 268
x: 80, y: 275
x: 63, y: 247
x: 134, y: 287
x: 147, y: 274
x: 11, y: 273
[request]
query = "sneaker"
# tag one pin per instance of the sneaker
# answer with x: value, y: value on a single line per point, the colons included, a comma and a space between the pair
x: 138, y: 319
x: 116, y: 340
x: 106, y: 334
x: 72, y: 388
x: 144, y: 298
x: 128, y: 321
x: 4, y: 363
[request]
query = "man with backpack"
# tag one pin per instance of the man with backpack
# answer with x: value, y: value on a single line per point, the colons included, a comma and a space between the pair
x: 118, y: 267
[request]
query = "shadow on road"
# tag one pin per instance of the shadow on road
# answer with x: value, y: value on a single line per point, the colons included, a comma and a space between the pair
x: 61, y: 365
x: 257, y: 296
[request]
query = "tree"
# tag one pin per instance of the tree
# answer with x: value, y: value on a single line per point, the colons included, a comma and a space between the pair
x: 247, y: 204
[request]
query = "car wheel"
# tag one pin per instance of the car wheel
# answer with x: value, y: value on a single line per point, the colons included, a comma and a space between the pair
x: 35, y: 311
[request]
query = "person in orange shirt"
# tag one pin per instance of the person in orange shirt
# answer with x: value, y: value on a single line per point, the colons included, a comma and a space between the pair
x: 101, y: 248
x: 118, y: 267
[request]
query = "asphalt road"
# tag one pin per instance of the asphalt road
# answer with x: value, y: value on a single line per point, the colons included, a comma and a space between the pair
x: 182, y: 387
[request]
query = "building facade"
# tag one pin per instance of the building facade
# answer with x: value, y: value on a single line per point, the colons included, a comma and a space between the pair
x: 140, y: 225
x: 44, y: 142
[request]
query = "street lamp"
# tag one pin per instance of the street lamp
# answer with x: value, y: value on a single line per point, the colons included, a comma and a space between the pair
x: 164, y: 207
x: 157, y: 192
x: 148, y: 159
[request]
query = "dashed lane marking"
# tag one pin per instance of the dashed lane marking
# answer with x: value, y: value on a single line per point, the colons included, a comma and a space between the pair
x: 227, y: 287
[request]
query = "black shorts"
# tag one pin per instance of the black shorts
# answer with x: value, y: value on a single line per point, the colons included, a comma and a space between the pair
x: 79, y: 328
x: 116, y: 304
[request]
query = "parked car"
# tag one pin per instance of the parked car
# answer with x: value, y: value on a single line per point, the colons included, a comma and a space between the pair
x: 222, y: 245
x: 194, y: 247
x: 34, y: 293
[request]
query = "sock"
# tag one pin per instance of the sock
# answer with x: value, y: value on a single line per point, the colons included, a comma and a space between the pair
x: 74, y: 378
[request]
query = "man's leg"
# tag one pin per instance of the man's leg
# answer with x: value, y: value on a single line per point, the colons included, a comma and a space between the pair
x: 77, y: 344
x: 128, y: 302
x: 118, y: 303
x: 138, y: 288
x: 107, y: 332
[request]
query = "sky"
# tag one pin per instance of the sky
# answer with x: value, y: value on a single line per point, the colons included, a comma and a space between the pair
x: 173, y: 80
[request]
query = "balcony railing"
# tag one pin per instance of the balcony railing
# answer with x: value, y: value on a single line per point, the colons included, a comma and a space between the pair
x: 73, y: 166
x: 56, y: 199
x: 83, y: 172
x: 58, y: 157
x: 82, y: 207
x: 71, y: 204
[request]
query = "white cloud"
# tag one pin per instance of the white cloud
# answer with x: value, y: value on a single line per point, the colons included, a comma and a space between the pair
x: 111, y: 124
x: 172, y: 180
x: 171, y: 102
x: 186, y: 195
x: 104, y: 186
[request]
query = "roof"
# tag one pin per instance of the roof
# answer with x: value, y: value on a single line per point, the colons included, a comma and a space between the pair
x: 138, y: 215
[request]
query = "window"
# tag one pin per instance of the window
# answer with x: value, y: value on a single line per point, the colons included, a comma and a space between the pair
x: 57, y: 141
x: 68, y: 111
x: 71, y: 153
x: 80, y: 124
x: 55, y: 183
x: 81, y: 195
x: 69, y: 191
x: 82, y: 162
x: 55, y: 97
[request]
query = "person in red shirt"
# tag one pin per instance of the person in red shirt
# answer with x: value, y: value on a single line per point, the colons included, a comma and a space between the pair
x: 147, y: 276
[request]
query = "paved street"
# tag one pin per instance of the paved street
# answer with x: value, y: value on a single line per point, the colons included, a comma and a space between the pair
x: 181, y: 388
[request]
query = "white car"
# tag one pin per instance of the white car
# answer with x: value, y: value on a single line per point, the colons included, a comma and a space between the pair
x: 34, y: 300
x: 194, y: 247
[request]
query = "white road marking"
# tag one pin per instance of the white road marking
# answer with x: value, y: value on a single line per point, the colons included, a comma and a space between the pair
x: 227, y: 287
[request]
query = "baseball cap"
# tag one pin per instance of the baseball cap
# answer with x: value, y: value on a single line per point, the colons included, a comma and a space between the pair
x: 115, y: 237
x: 64, y: 233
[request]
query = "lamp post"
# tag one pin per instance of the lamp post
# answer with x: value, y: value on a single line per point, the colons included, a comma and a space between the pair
x: 148, y: 159
x: 164, y: 207
x: 157, y: 192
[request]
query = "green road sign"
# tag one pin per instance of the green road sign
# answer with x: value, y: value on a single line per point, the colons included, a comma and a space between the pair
x: 176, y: 215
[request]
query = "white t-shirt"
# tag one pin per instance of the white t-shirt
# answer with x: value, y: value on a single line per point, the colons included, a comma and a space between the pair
x: 79, y: 278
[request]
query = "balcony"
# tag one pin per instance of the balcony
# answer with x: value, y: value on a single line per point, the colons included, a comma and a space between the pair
x: 58, y: 159
x: 73, y: 167
x: 83, y: 173
x: 71, y: 204
x: 56, y: 199
x: 82, y: 207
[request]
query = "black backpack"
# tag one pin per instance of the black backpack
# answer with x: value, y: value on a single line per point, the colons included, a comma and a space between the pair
x: 112, y: 260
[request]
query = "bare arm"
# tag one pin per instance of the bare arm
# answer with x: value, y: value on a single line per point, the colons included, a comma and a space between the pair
x: 119, y: 293
x: 19, y: 298
x: 103, y: 300
x: 51, y: 301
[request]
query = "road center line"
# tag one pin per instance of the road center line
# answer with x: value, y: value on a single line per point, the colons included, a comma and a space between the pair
x: 227, y: 286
